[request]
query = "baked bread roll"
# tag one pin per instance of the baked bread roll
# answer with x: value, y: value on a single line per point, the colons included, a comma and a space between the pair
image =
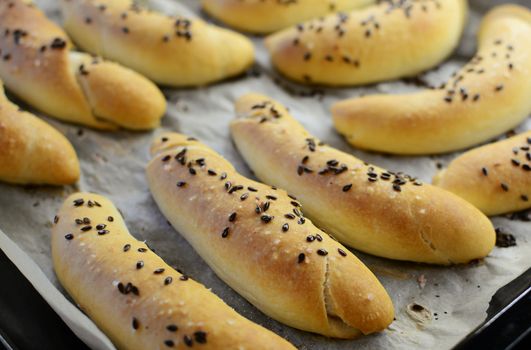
x: 389, y: 40
x: 132, y: 295
x: 488, y: 96
x: 496, y: 178
x: 266, y: 16
x: 37, y: 64
x: 169, y: 50
x: 380, y: 212
x: 256, y: 239
x: 31, y: 151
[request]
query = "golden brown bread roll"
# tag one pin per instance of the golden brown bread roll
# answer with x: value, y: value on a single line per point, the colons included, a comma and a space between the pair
x: 496, y: 178
x: 380, y: 212
x: 31, y: 151
x: 266, y: 16
x: 488, y: 96
x: 169, y: 50
x: 256, y: 239
x: 389, y: 40
x: 37, y: 64
x: 138, y: 300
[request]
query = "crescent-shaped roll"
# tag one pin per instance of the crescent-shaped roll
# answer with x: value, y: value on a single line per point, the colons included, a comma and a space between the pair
x: 389, y: 214
x: 496, y: 178
x: 488, y: 96
x: 31, y: 151
x: 257, y: 240
x: 389, y: 40
x: 266, y: 16
x: 169, y: 50
x: 132, y: 295
x: 37, y: 64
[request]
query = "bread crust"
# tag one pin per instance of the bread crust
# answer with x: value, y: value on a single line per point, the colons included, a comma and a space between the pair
x: 32, y: 151
x: 384, y: 213
x: 169, y: 50
x: 487, y: 97
x: 37, y: 64
x: 150, y: 313
x: 385, y: 41
x: 266, y: 16
x: 314, y: 284
x: 496, y: 178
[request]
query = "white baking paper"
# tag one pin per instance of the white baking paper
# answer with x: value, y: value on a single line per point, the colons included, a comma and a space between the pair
x: 113, y: 165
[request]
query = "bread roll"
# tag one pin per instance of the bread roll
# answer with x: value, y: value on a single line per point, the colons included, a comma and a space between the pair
x: 389, y: 40
x: 138, y: 300
x: 256, y: 239
x: 37, y: 64
x: 384, y: 213
x: 31, y: 151
x: 266, y: 16
x: 169, y: 50
x: 496, y: 178
x: 488, y: 96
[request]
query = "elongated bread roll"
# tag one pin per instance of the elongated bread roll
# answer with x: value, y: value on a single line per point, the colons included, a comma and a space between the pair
x: 169, y: 50
x: 389, y: 40
x: 496, y: 178
x: 380, y: 212
x: 488, y: 96
x: 31, y: 151
x: 37, y: 64
x: 256, y: 239
x: 266, y: 16
x: 138, y: 300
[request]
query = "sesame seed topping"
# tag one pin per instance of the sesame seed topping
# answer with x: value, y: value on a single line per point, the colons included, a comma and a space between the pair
x: 181, y: 184
x: 127, y: 247
x: 504, y: 186
x: 188, y: 341
x: 200, y: 337
x: 211, y: 172
x: 172, y: 328
x: 310, y: 238
x: 341, y: 252
x: 322, y: 252
x: 225, y: 232
x: 347, y: 188
x: 232, y: 217
x: 142, y: 250
x: 78, y: 202
x: 86, y: 228
x: 159, y: 271
x: 110, y: 219
x: 169, y: 343
x: 100, y: 226
x: 69, y: 236
x: 266, y: 218
x: 485, y: 171
x: 139, y: 264
x: 285, y: 227
x: 300, y: 258
x: 168, y: 280
x: 135, y: 323
x: 244, y: 196
x: 184, y: 278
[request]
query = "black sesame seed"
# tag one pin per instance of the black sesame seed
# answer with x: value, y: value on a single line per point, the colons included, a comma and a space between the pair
x: 135, y: 323
x: 499, y: 87
x: 69, y: 236
x: 301, y: 221
x: 526, y: 167
x: 300, y: 258
x: 103, y: 232
x: 86, y: 228
x: 265, y: 206
x: 100, y: 226
x: 252, y: 189
x: 172, y: 328
x: 192, y: 171
x: 341, y: 252
x: 127, y: 247
x: 504, y: 186
x: 139, y: 264
x: 166, y: 158
x: 310, y: 238
x: 169, y: 343
x: 295, y: 204
x: 322, y: 252
x: 515, y: 162
x: 347, y: 188
x: 285, y: 227
x: 244, y: 196
x: 273, y: 198
x: 159, y: 271
x: 181, y: 184
x: 289, y: 216
x: 79, y: 221
x: 225, y: 232
x: 78, y: 202
x: 200, y: 337
x: 266, y: 218
x: 485, y: 171
x: 142, y: 250
x: 232, y: 217
x: 318, y: 237
x: 184, y: 278
x: 110, y: 219
x: 211, y: 172
x: 168, y: 280
x: 524, y: 198
x: 56, y: 219
x: 188, y: 341
x: 397, y: 187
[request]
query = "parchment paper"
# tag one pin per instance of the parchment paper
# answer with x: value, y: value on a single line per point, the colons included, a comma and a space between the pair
x: 113, y: 165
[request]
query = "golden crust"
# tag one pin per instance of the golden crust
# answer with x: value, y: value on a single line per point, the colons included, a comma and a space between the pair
x: 381, y: 42
x: 265, y: 256
x: 91, y: 266
x: 169, y: 50
x: 33, y: 152
x: 383, y: 213
x: 487, y: 97
x: 259, y: 16
x: 38, y: 66
x: 496, y: 178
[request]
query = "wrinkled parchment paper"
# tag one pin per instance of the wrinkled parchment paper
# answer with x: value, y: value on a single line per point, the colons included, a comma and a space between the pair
x: 456, y: 298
